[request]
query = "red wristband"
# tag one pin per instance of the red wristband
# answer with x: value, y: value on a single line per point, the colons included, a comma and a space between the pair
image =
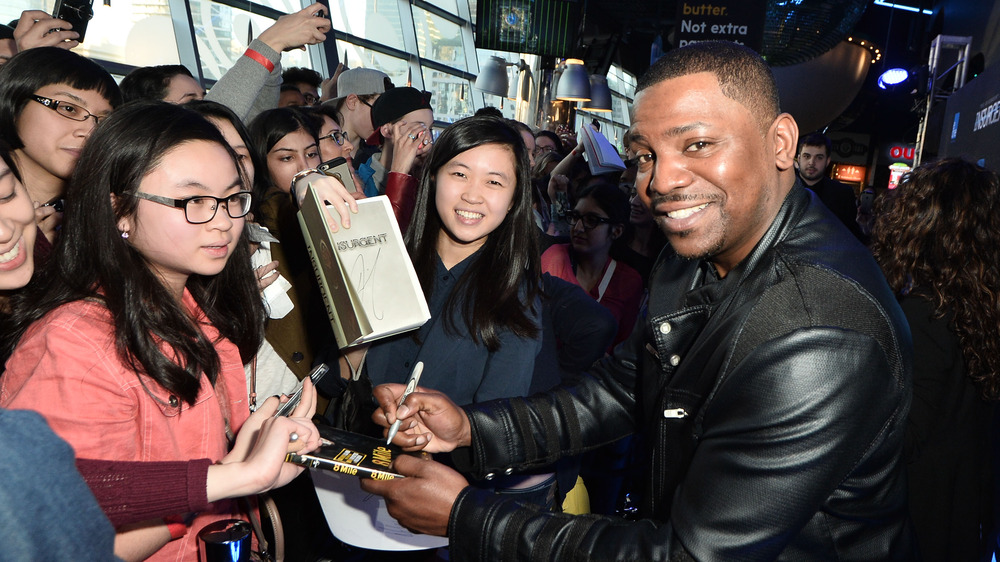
x: 176, y: 526
x: 259, y: 58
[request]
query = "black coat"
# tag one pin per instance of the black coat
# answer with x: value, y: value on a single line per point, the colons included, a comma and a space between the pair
x: 772, y: 404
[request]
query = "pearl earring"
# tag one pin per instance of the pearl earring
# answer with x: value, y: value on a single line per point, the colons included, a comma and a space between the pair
x: 125, y: 235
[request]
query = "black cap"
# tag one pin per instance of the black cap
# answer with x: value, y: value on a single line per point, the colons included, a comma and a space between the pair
x: 397, y: 102
x: 6, y: 32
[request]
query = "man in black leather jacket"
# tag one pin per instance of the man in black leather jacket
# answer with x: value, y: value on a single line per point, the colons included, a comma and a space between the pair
x: 770, y: 381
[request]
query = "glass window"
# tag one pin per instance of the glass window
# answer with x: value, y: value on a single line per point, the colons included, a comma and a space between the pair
x: 222, y: 34
x: 450, y: 6
x: 136, y: 32
x: 439, y: 39
x: 378, y: 21
x: 452, y: 99
x: 360, y: 57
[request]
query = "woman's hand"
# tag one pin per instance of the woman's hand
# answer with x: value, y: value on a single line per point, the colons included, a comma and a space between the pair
x: 48, y: 220
x: 409, y: 141
x: 293, y: 31
x: 332, y: 191
x: 38, y: 29
x: 257, y: 462
x: 266, y: 275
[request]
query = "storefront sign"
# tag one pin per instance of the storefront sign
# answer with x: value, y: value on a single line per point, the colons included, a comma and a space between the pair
x: 740, y: 21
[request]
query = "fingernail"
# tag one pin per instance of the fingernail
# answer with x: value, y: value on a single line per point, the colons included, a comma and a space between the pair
x: 402, y: 411
x: 419, y: 440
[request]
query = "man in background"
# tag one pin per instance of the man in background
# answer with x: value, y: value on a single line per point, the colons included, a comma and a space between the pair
x: 812, y: 162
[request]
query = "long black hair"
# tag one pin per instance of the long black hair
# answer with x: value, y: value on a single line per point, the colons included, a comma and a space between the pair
x: 499, y: 288
x: 270, y: 127
x: 36, y: 68
x: 92, y: 261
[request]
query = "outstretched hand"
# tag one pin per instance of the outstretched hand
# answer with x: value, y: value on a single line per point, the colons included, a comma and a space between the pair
x: 421, y: 501
x: 36, y: 28
x: 430, y: 420
x: 293, y: 31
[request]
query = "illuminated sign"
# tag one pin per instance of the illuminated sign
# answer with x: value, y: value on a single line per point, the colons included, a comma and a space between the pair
x: 848, y: 172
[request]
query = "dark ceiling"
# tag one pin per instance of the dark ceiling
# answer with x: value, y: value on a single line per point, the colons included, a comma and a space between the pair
x: 622, y: 32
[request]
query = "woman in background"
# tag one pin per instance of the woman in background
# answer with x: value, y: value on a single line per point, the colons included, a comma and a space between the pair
x: 285, y: 140
x: 597, y: 223
x: 938, y: 241
x: 51, y: 100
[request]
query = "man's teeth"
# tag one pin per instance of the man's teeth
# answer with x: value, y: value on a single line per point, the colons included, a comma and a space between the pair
x: 11, y: 254
x: 469, y: 215
x: 685, y: 213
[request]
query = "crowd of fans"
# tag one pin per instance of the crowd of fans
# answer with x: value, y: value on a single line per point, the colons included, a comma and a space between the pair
x: 152, y: 266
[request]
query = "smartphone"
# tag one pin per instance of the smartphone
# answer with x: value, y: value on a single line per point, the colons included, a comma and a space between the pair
x: 76, y: 12
x: 340, y: 169
x: 867, y: 199
x: 58, y: 204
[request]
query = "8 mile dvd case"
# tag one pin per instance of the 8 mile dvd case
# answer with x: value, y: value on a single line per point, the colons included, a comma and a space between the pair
x: 350, y: 453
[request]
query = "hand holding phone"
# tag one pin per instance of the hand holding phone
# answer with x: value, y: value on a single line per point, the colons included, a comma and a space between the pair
x: 36, y: 28
x: 77, y: 13
x: 339, y: 168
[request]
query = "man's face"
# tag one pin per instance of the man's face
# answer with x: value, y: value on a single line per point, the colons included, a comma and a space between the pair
x: 309, y: 92
x: 812, y: 162
x: 182, y: 89
x: 706, y: 171
x: 291, y: 98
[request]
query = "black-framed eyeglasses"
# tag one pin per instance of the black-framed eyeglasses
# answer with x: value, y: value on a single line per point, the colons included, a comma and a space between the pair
x: 202, y: 208
x: 310, y: 98
x: 542, y: 149
x: 590, y: 220
x: 69, y: 110
x: 337, y: 136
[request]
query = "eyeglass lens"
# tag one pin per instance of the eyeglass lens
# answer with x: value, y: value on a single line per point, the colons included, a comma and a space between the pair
x: 198, y: 210
x: 590, y: 221
x: 68, y: 110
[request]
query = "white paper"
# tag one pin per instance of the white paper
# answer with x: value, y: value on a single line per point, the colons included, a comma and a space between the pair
x: 361, y: 519
x: 275, y: 295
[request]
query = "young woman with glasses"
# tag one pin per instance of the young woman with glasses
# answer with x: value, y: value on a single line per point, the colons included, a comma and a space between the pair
x: 597, y: 223
x: 131, y: 342
x: 333, y: 141
x: 51, y: 100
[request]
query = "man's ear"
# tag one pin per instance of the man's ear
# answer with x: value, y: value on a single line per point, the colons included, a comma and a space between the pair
x: 386, y: 130
x: 351, y: 102
x: 784, y: 134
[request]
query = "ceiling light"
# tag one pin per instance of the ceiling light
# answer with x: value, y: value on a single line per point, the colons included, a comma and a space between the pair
x: 600, y: 94
x: 574, y: 84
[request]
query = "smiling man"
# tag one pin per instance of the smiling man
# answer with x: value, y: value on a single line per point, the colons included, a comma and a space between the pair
x: 770, y: 379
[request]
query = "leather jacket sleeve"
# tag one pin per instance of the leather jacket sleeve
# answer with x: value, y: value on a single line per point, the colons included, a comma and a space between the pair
x: 785, y: 427
x: 401, y: 189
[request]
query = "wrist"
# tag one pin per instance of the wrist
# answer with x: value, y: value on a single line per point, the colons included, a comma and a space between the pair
x: 259, y: 58
x: 231, y: 480
x: 297, y: 195
x: 271, y: 41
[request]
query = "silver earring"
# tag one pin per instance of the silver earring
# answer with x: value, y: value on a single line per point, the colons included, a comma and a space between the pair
x: 125, y: 235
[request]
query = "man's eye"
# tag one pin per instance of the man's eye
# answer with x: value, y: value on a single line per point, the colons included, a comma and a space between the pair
x: 641, y: 161
x: 696, y: 146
